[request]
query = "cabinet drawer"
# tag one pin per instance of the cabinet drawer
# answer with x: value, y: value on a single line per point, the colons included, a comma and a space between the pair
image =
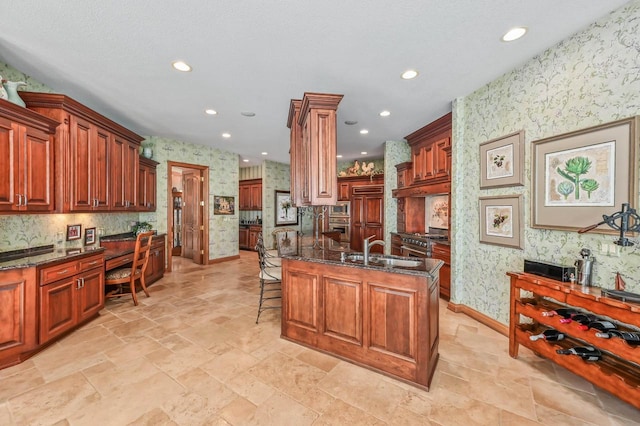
x: 91, y: 262
x: 58, y: 272
x: 119, y: 261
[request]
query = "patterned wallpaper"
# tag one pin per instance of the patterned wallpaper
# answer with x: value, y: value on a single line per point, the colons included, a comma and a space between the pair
x: 394, y: 153
x: 588, y: 79
x: 223, y: 180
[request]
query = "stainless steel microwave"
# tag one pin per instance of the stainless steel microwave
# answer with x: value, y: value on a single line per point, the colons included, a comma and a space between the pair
x: 341, y: 209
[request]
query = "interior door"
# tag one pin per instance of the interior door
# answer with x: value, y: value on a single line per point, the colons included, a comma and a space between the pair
x: 192, y: 215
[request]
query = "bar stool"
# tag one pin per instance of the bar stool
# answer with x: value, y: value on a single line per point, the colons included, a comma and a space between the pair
x: 119, y: 277
x: 270, y: 281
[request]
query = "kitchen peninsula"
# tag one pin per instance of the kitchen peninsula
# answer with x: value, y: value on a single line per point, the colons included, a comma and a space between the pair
x: 383, y: 316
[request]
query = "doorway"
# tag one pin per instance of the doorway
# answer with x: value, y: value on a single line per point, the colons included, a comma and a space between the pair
x: 187, y: 212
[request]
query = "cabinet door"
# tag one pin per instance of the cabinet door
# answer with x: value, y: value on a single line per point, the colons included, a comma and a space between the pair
x: 155, y: 268
x: 344, y: 191
x: 245, y: 197
x: 124, y: 173
x: 151, y: 189
x: 57, y: 308
x: 441, y: 163
x: 18, y: 314
x: 253, y: 239
x: 357, y: 222
x: 243, y: 238
x: 256, y: 196
x: 81, y: 164
x: 100, y: 169
x: 90, y: 295
x: 9, y: 165
x: 418, y: 158
x: 146, y: 188
x: 37, y: 171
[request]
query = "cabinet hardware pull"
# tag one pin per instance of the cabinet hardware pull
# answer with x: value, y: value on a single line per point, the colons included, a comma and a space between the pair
x: 78, y: 283
x: 93, y: 263
x: 82, y: 282
x: 63, y: 272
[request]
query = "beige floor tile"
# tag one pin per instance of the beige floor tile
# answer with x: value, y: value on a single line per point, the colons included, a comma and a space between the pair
x: 193, y: 354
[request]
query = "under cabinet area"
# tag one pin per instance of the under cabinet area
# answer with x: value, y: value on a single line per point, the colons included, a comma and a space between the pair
x: 618, y: 371
x: 26, y: 160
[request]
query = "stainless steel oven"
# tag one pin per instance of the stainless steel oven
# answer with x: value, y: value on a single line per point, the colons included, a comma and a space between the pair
x: 341, y: 209
x: 342, y: 225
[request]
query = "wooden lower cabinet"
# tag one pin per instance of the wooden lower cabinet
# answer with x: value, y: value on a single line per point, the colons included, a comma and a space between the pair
x: 381, y: 320
x: 70, y: 301
x: 443, y: 252
x: 155, y: 268
x: 243, y: 238
x: 254, y: 231
x: 18, y: 314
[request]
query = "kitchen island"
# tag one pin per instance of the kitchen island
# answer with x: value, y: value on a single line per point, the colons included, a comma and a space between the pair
x: 378, y: 316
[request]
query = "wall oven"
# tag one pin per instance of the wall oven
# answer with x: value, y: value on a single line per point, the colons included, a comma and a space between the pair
x: 340, y: 224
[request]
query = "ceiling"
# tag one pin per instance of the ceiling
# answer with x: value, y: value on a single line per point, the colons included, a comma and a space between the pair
x: 255, y: 56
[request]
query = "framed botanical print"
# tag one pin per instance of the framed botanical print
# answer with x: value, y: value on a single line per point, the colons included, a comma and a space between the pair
x: 580, y: 176
x: 502, y: 161
x: 501, y: 221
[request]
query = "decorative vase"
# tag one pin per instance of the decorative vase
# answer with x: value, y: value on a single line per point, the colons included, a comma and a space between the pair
x: 3, y: 92
x: 12, y: 92
x: 147, y: 152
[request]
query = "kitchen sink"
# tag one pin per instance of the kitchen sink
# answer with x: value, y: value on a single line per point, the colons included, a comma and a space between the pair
x: 391, y: 261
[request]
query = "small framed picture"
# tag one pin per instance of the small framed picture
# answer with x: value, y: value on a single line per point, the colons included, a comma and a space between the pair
x: 74, y: 232
x: 502, y: 161
x: 89, y: 236
x: 501, y: 221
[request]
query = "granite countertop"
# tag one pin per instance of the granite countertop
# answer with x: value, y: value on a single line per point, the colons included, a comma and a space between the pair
x: 332, y: 255
x: 126, y: 236
x: 41, y: 256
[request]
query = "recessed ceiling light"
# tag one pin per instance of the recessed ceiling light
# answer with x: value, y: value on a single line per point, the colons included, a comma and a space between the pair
x: 363, y: 153
x: 248, y: 113
x: 350, y: 122
x: 211, y: 111
x: 264, y: 153
x: 181, y: 66
x: 339, y: 156
x: 514, y: 34
x: 409, y: 74
x: 245, y: 160
x: 384, y: 113
x: 226, y: 135
x: 364, y: 131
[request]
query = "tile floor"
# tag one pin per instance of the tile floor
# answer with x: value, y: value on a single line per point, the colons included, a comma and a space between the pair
x: 193, y: 355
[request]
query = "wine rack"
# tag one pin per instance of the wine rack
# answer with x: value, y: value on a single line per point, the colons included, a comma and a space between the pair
x: 618, y: 372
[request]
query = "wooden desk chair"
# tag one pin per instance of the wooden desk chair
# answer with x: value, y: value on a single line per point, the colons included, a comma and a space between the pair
x: 119, y: 277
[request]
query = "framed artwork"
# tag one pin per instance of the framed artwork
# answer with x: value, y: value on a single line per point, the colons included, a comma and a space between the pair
x: 437, y: 210
x: 223, y: 205
x: 502, y: 161
x: 580, y: 176
x: 286, y: 213
x: 501, y: 221
x: 89, y: 236
x: 74, y: 232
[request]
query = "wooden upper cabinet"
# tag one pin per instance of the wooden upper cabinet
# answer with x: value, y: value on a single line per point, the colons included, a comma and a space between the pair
x: 26, y: 160
x: 147, y: 185
x: 96, y: 159
x: 250, y: 194
x: 313, y: 153
x: 430, y: 148
x: 124, y: 174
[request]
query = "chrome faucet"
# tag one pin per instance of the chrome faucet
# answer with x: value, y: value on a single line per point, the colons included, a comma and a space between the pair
x: 367, y: 245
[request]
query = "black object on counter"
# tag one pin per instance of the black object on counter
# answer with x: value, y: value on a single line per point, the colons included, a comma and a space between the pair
x: 625, y: 296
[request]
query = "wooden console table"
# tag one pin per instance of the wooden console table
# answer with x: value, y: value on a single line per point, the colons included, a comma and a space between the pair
x: 618, y: 372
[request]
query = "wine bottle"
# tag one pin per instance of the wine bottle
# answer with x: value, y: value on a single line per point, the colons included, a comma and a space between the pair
x: 562, y: 312
x: 631, y: 337
x: 587, y: 353
x: 550, y: 335
x: 600, y: 325
x: 584, y: 319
